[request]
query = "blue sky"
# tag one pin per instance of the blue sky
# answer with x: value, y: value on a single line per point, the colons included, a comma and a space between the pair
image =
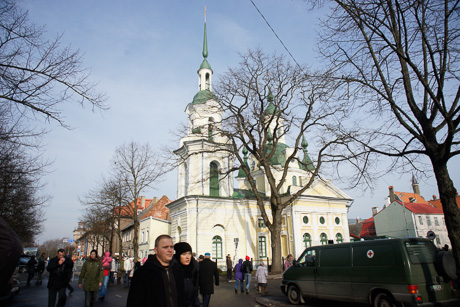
x: 145, y: 56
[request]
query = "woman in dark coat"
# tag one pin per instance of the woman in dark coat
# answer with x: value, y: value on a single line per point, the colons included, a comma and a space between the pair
x: 189, y: 265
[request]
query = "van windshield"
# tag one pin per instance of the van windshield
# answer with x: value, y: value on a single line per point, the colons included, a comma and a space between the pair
x: 420, y: 251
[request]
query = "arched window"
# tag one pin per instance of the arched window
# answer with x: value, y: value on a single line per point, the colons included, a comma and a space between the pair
x: 294, y: 180
x: 307, y: 240
x: 338, y: 237
x: 185, y: 179
x: 323, y: 238
x: 216, y: 247
x: 207, y: 81
x: 210, y: 128
x: 213, y: 179
x: 262, y: 247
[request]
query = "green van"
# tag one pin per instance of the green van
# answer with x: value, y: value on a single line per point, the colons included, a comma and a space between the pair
x: 386, y: 272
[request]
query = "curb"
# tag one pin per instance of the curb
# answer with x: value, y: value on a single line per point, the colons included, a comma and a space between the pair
x: 270, y: 302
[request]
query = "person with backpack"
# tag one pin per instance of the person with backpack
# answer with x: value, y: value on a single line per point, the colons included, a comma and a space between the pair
x: 40, y: 268
x: 247, y: 272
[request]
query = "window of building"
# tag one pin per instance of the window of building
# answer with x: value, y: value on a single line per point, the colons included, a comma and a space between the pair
x: 253, y: 165
x: 420, y: 220
x: 323, y: 238
x: 260, y: 223
x: 307, y: 240
x: 322, y: 220
x: 438, y: 240
x: 147, y: 236
x: 339, y: 237
x: 337, y: 221
x: 294, y: 180
x: 428, y: 221
x: 262, y: 247
x: 217, y: 247
x: 213, y: 179
x: 436, y: 222
x: 305, y: 219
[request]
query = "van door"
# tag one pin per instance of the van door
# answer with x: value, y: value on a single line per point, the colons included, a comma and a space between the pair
x: 306, y: 271
x: 333, y: 275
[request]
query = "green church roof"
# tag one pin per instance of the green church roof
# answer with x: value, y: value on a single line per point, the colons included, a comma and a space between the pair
x: 203, y: 96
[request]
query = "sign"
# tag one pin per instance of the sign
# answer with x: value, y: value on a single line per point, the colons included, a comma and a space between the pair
x: 78, y: 250
x: 70, y: 240
x: 370, y: 254
x: 431, y: 235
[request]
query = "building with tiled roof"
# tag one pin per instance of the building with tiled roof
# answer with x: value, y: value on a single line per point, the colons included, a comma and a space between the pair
x: 411, y: 219
x: 436, y: 202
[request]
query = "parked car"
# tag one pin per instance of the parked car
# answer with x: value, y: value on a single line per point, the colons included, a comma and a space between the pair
x: 385, y: 272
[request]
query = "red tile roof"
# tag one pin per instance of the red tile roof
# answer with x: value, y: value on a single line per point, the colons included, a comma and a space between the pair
x: 437, y: 202
x: 406, y: 197
x: 421, y: 208
x: 368, y: 229
x: 159, y: 210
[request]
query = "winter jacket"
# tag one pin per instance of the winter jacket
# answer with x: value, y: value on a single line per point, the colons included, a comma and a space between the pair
x: 127, y: 265
x: 190, y: 282
x: 238, y: 272
x: 247, y: 267
x: 91, y: 275
x: 156, y: 285
x: 262, y: 274
x: 59, y: 274
x: 208, y: 271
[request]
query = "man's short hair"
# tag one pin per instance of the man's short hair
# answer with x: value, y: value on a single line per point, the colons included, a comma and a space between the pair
x: 161, y: 237
x: 61, y: 250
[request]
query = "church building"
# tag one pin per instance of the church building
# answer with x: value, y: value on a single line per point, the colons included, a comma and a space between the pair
x: 214, y: 216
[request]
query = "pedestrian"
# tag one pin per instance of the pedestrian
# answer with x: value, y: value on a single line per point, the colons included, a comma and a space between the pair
x: 70, y: 276
x: 128, y: 267
x: 159, y: 282
x: 247, y: 272
x: 288, y: 262
x: 206, y: 273
x: 239, y: 276
x: 106, y: 263
x: 261, y: 277
x: 40, y: 268
x: 91, y: 276
x: 189, y: 265
x: 59, y: 269
x: 113, y: 270
x: 229, y: 267
x: 137, y: 264
x: 31, y: 269
x: 121, y: 270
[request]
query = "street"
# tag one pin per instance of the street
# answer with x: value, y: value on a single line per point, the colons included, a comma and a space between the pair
x: 224, y: 296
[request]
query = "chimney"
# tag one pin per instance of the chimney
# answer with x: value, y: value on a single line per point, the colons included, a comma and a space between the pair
x: 143, y: 202
x: 155, y: 200
x: 358, y: 220
x: 415, y: 187
x: 375, y: 210
x: 392, y: 194
x: 434, y: 197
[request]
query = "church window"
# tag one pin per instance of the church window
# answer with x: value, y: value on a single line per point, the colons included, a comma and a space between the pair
x: 213, y: 180
x: 185, y: 179
x: 294, y: 180
x: 322, y: 220
x: 307, y: 240
x: 253, y: 165
x: 260, y: 223
x: 207, y: 81
x: 305, y: 219
x: 323, y: 238
x: 262, y: 247
x: 210, y: 128
x: 217, y: 247
x: 339, y: 237
x: 337, y: 221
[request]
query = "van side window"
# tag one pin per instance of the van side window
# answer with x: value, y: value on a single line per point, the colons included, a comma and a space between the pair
x: 308, y: 258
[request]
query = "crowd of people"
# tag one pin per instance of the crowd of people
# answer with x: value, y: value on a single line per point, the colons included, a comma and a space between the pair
x: 169, y: 277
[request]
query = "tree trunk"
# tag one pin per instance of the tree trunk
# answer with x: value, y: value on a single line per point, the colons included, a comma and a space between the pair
x: 448, y: 196
x: 136, y: 238
x: 275, y: 232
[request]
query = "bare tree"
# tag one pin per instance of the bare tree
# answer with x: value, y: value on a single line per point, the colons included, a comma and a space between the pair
x: 264, y: 112
x: 37, y: 75
x: 136, y: 167
x: 399, y: 66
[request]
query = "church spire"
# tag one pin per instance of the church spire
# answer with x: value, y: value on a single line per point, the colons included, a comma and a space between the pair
x: 205, y: 39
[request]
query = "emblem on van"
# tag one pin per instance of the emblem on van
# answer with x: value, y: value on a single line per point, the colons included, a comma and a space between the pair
x: 370, y: 254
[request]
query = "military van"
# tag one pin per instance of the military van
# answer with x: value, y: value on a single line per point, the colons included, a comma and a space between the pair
x: 384, y: 272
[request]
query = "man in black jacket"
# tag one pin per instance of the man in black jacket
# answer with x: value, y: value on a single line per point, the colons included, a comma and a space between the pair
x: 160, y: 281
x: 207, y: 271
x: 59, y: 268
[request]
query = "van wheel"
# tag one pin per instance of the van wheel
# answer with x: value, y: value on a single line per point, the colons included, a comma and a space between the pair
x: 384, y: 300
x: 293, y: 294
